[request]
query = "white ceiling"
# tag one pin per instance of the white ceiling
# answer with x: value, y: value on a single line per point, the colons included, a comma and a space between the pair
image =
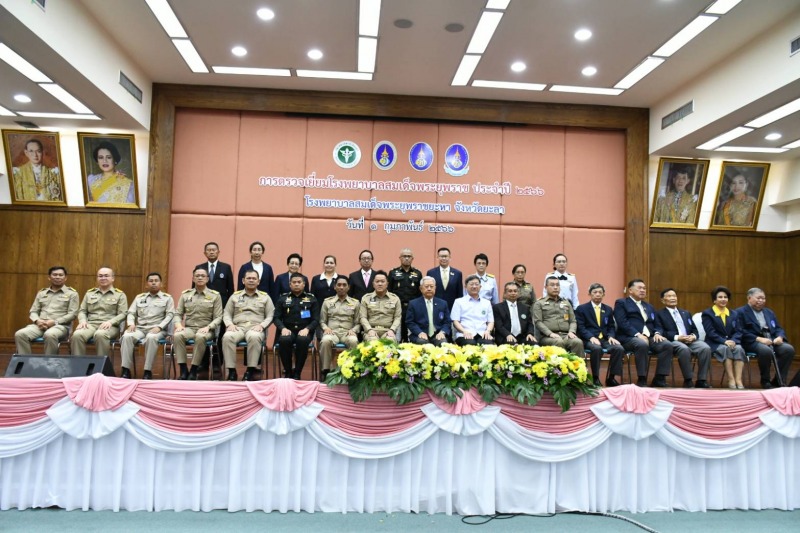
x: 420, y: 60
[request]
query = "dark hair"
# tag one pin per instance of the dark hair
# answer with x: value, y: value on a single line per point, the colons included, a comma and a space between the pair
x: 443, y: 249
x: 153, y: 274
x: 632, y: 282
x: 517, y: 266
x: 37, y: 141
x: 548, y: 278
x: 509, y: 284
x: 264, y: 248
x: 380, y: 273
x: 105, y: 145
x: 332, y: 257
x: 718, y: 289
x: 296, y: 275
x: 204, y: 269
x: 371, y: 255
x: 594, y: 286
x: 212, y: 243
x: 54, y: 268
x: 665, y: 291
x: 557, y: 256
x: 295, y: 256
x: 340, y: 278
x: 674, y: 170
x: 246, y: 272
x: 481, y: 256
x: 470, y: 278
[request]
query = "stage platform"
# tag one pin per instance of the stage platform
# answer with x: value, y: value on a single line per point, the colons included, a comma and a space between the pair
x: 283, y: 445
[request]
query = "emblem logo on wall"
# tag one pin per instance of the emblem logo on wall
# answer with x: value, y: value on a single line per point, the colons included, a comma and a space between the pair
x: 347, y: 154
x: 384, y: 155
x: 421, y: 156
x: 456, y: 160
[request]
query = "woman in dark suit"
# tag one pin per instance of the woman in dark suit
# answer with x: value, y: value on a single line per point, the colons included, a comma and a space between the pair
x: 293, y: 264
x: 264, y: 270
x: 723, y: 336
x: 323, y: 286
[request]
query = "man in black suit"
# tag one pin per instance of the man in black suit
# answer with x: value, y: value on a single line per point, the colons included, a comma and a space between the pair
x: 420, y: 310
x: 764, y: 336
x: 220, y: 279
x: 512, y: 319
x: 596, y: 329
x: 361, y: 280
x: 679, y: 329
x: 636, y: 330
x: 449, y: 285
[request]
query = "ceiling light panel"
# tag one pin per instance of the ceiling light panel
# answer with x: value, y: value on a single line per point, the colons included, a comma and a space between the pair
x: 776, y: 114
x: 248, y: 71
x: 484, y: 32
x: 22, y: 65
x: 166, y: 17
x: 719, y: 140
x: 6, y: 113
x: 720, y: 7
x: 497, y: 4
x: 465, y: 70
x: 32, y: 114
x: 65, y: 98
x: 689, y: 32
x: 190, y: 55
x: 369, y: 14
x: 643, y: 69
x: 795, y: 144
x: 585, y: 90
x: 367, y: 54
x: 754, y: 149
x: 509, y: 85
x: 334, y: 75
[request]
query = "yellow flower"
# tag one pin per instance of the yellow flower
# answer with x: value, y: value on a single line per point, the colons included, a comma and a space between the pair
x: 540, y: 369
x: 393, y: 367
x: 347, y: 372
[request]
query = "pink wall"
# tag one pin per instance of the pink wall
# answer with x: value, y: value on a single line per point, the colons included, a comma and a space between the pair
x: 220, y: 155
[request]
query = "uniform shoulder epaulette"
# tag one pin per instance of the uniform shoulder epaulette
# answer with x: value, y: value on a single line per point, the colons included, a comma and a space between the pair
x: 260, y: 292
x: 44, y: 289
x: 70, y: 288
x: 118, y: 290
x: 568, y: 274
x: 213, y: 291
x: 93, y: 289
x: 142, y: 294
x: 239, y: 292
x: 542, y: 298
x: 187, y: 290
x: 489, y: 275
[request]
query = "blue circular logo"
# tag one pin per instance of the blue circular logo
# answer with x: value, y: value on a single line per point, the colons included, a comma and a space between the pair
x: 456, y: 160
x: 421, y: 156
x: 384, y: 155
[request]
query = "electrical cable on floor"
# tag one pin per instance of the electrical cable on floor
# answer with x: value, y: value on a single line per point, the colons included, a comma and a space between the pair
x: 618, y: 517
x: 485, y: 519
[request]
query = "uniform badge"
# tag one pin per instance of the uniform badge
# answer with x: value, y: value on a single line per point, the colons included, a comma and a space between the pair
x: 421, y: 156
x: 456, y: 160
x: 346, y: 154
x: 384, y: 155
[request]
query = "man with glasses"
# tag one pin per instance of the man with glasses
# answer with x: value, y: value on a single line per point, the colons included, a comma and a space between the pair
x: 100, y: 314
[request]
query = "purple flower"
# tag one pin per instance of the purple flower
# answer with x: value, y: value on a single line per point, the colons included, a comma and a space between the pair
x: 510, y: 374
x: 529, y: 377
x: 480, y: 374
x: 546, y: 382
x: 411, y: 379
x: 557, y: 371
x: 364, y: 373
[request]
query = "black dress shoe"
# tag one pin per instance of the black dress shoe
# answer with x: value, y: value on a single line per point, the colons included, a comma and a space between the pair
x: 249, y: 375
x: 126, y: 373
x: 193, y: 373
x: 232, y: 375
x: 641, y: 382
x: 688, y: 384
x: 185, y: 375
x: 296, y: 375
x: 323, y: 375
x: 659, y: 381
x: 596, y: 382
x: 775, y: 383
x: 766, y: 384
x: 147, y: 374
x: 702, y: 384
x: 611, y: 382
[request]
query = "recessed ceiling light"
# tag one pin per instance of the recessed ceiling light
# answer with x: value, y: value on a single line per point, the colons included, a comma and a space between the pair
x: 518, y: 66
x: 239, y: 51
x: 314, y: 54
x: 403, y: 24
x: 583, y: 34
x: 770, y: 137
x: 22, y: 98
x: 454, y: 27
x: 265, y: 13
x: 589, y: 71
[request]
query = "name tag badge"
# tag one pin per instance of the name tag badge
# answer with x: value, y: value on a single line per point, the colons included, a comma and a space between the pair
x: 773, y: 323
x: 305, y: 313
x: 441, y: 315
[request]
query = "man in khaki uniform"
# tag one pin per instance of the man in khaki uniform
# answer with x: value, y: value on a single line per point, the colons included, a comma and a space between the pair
x: 380, y: 310
x: 52, y: 312
x: 202, y: 308
x: 149, y: 317
x: 101, y: 311
x: 247, y: 316
x: 340, y: 322
x: 555, y: 319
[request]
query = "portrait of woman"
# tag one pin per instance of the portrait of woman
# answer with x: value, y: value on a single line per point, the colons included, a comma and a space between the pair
x: 678, y: 197
x: 739, y: 197
x: 109, y: 170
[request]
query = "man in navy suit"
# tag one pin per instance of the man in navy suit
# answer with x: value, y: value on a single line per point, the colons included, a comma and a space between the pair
x: 764, y: 336
x: 449, y: 285
x: 512, y: 319
x: 679, y: 329
x: 596, y: 329
x: 361, y: 279
x: 422, y: 331
x: 636, y: 330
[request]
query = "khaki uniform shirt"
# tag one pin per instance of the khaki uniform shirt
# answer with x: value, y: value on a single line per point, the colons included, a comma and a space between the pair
x: 60, y: 305
x: 98, y: 307
x: 554, y: 316
x: 381, y: 312
x: 202, y: 309
x: 247, y: 310
x: 148, y: 311
x: 341, y: 315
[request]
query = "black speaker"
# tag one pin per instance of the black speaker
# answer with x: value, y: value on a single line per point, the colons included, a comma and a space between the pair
x: 795, y: 380
x: 58, y: 366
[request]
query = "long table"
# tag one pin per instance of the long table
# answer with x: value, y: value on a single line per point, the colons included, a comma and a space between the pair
x: 283, y: 445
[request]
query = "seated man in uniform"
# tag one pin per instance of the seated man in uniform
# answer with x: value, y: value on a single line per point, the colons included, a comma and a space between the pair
x: 296, y: 318
x: 247, y: 316
x: 340, y: 321
x: 148, y: 318
x: 381, y: 310
x: 513, y: 323
x: 428, y: 318
x: 596, y: 330
x: 198, y: 314
x: 472, y: 315
x: 555, y: 319
x: 101, y: 311
x: 52, y: 312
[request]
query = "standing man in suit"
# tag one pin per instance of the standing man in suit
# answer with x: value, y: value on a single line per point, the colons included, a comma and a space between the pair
x: 679, y: 329
x: 404, y: 281
x: 636, y: 330
x: 361, y: 279
x: 513, y: 323
x: 596, y: 329
x: 428, y: 317
x: 764, y: 336
x: 220, y: 275
x: 448, y: 279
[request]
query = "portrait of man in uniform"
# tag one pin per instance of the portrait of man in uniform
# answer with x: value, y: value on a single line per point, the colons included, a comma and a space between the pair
x: 34, y: 167
x: 679, y: 192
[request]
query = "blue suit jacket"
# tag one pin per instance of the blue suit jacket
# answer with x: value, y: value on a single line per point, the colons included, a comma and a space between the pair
x: 716, y: 332
x: 629, y: 319
x: 455, y: 287
x: 748, y: 324
x: 665, y: 323
x: 417, y: 316
x: 264, y: 284
x: 587, y: 322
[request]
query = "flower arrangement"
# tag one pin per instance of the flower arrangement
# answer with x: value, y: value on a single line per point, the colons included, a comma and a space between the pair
x: 404, y: 371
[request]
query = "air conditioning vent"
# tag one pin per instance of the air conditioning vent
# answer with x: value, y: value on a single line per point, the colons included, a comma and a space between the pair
x: 129, y: 86
x: 39, y: 3
x: 27, y: 124
x: 794, y: 46
x: 683, y: 111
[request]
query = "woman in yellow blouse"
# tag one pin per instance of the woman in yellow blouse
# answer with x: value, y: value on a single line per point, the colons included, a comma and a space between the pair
x: 110, y: 186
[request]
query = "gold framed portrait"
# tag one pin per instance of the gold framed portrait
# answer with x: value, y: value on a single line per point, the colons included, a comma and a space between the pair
x: 678, y: 193
x: 108, y: 167
x: 33, y: 161
x: 739, y: 195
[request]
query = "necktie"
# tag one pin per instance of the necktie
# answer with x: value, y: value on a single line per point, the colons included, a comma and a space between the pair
x: 431, y: 329
x: 515, y: 327
x: 366, y: 279
x: 211, y: 273
x: 597, y: 315
x: 445, y: 277
x: 562, y: 277
x: 679, y: 322
x: 645, y: 330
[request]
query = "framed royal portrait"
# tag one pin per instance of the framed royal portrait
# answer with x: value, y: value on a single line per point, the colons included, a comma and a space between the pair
x: 108, y: 167
x: 739, y: 195
x: 679, y: 192
x: 33, y: 159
